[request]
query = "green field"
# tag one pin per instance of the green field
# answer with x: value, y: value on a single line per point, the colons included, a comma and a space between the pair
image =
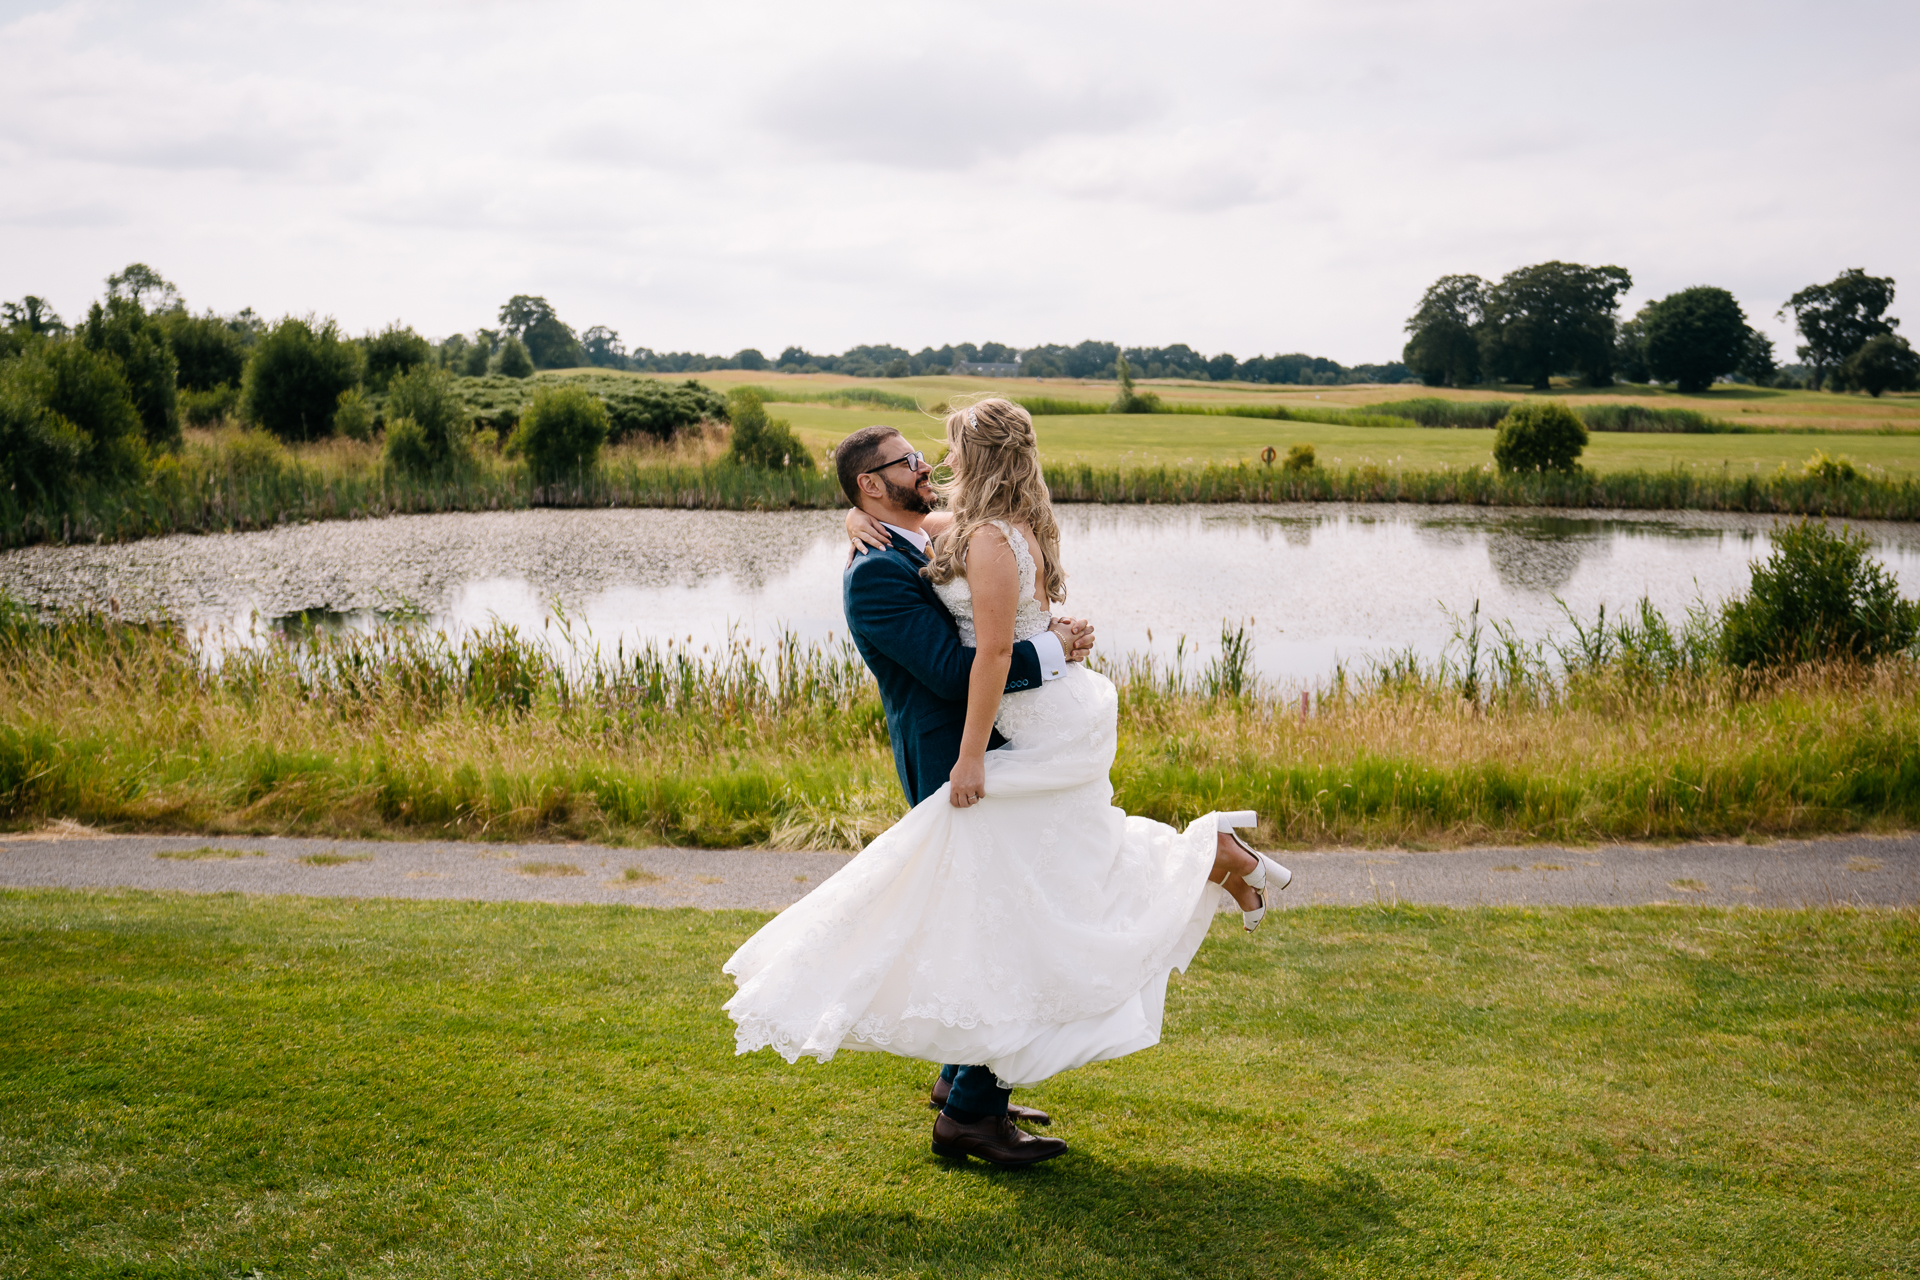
x: 232, y: 1086
x: 1128, y: 440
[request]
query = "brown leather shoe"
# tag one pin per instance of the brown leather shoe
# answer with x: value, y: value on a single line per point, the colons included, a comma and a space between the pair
x: 994, y: 1139
x: 943, y: 1087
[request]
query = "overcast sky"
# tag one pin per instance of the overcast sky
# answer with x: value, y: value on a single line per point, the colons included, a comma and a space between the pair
x: 1250, y: 177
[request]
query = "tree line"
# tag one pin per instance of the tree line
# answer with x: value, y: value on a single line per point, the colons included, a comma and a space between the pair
x: 1562, y: 319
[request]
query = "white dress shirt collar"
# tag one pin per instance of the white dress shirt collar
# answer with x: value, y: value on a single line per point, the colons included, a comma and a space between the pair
x: 915, y: 536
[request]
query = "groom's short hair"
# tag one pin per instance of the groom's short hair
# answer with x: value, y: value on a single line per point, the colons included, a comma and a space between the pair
x: 857, y: 453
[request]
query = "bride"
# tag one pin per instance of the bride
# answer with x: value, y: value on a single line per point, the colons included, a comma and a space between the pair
x: 1014, y: 918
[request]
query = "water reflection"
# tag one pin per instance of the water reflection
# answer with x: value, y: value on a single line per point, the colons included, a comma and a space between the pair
x: 1317, y: 583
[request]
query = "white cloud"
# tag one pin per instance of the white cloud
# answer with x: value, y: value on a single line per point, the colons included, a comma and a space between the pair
x: 1253, y: 177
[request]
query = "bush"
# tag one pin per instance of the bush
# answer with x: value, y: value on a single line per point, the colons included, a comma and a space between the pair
x: 760, y: 441
x: 514, y: 360
x: 248, y: 453
x: 476, y: 358
x: 644, y: 406
x: 1885, y: 363
x: 295, y: 378
x: 1543, y: 435
x: 209, y: 351
x: 66, y: 413
x: 40, y: 451
x: 1831, y: 470
x: 1300, y: 458
x: 427, y: 428
x: 352, y: 415
x: 210, y: 407
x: 560, y: 434
x: 393, y: 351
x: 134, y: 338
x: 1817, y: 596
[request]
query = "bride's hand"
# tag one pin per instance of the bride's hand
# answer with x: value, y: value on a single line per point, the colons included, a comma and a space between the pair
x: 864, y: 531
x: 969, y: 779
x: 1076, y: 637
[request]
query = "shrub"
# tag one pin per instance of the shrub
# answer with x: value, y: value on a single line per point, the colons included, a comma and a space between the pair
x: 1817, y: 596
x: 514, y: 360
x: 209, y: 351
x: 393, y: 351
x: 760, y: 441
x: 248, y: 453
x: 1127, y: 401
x: 210, y: 407
x: 644, y: 406
x: 427, y: 428
x: 1300, y: 458
x: 295, y: 378
x: 66, y: 413
x: 134, y: 338
x: 1885, y: 363
x: 474, y: 362
x: 40, y: 451
x: 1832, y: 470
x: 1543, y: 435
x: 560, y: 434
x: 352, y: 415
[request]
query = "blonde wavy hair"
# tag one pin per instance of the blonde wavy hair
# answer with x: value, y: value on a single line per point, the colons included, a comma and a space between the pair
x: 996, y: 476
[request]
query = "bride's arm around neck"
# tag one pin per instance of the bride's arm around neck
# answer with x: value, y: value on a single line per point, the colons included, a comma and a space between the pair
x: 993, y: 580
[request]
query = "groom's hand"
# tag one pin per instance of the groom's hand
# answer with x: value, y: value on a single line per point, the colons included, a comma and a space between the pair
x: 1076, y: 637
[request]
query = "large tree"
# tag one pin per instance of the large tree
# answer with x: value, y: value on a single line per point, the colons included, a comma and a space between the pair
x: 209, y: 349
x: 147, y: 287
x: 1885, y: 363
x: 1695, y: 336
x: 603, y: 347
x: 1444, y: 349
x: 1552, y: 318
x: 551, y: 343
x: 1839, y: 317
x: 123, y: 330
x: 294, y: 380
x: 33, y: 314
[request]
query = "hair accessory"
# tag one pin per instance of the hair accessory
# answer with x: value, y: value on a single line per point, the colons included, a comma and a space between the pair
x: 973, y: 423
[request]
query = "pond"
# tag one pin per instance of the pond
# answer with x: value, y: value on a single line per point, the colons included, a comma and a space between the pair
x: 1315, y: 583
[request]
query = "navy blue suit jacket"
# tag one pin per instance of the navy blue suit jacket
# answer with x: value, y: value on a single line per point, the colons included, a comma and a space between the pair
x: 912, y: 647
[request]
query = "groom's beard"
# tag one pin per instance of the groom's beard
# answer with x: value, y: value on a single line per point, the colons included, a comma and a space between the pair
x: 907, y: 499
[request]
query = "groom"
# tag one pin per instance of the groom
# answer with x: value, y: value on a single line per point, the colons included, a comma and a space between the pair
x: 911, y: 645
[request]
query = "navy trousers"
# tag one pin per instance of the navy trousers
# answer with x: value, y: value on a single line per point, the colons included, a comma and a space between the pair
x: 974, y: 1090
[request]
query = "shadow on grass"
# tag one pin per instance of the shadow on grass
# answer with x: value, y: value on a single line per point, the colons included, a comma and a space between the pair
x: 1079, y: 1213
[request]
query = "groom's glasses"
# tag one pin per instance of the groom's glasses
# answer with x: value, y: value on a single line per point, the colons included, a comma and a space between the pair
x: 914, y: 461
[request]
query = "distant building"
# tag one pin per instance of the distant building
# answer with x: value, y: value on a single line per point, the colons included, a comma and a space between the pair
x: 1010, y: 369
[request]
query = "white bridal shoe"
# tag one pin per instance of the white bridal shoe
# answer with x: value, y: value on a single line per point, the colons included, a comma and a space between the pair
x: 1266, y: 874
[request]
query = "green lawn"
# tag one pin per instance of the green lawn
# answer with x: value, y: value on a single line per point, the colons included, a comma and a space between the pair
x: 231, y: 1086
x: 1179, y: 440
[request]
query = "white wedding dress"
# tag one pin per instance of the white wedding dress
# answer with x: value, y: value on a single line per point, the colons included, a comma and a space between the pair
x: 1033, y: 932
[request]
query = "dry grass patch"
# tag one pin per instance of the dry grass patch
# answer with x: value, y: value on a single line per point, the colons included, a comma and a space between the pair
x: 207, y: 851
x: 333, y: 858
x: 549, y: 869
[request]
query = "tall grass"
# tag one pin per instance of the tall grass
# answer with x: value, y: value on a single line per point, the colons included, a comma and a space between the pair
x: 503, y: 734
x: 1776, y: 493
x: 1048, y: 406
x: 235, y: 481
x: 231, y: 481
x: 840, y: 397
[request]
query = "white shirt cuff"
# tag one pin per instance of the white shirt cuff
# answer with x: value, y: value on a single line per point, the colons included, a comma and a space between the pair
x: 1053, y: 658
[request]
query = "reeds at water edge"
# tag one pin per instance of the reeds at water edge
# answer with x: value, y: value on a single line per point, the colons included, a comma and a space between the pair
x: 1624, y: 731
x: 230, y: 489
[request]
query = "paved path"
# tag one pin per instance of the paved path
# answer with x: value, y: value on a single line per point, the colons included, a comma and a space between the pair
x: 1852, y: 870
